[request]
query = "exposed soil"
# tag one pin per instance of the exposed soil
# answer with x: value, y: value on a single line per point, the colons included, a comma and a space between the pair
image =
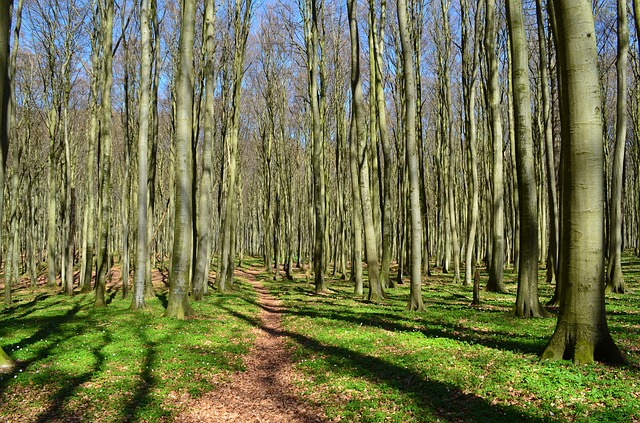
x: 263, y: 392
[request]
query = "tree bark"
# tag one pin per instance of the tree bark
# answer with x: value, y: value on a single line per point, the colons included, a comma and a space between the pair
x: 615, y: 279
x: 527, y: 300
x: 581, y: 333
x: 179, y: 282
x: 415, y: 296
x: 142, y: 242
x: 106, y: 141
x: 496, y: 283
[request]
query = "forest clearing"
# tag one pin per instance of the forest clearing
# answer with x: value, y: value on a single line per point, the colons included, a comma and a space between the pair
x: 352, y: 360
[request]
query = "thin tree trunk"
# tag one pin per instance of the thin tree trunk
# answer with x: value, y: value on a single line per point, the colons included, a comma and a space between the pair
x: 415, y: 297
x: 615, y: 279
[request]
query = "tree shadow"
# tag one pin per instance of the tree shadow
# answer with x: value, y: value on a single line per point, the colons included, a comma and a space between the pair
x: 71, y: 385
x: 147, y: 381
x: 445, y: 400
x: 47, y: 327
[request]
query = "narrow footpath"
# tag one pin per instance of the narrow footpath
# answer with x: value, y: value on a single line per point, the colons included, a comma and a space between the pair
x: 264, y: 391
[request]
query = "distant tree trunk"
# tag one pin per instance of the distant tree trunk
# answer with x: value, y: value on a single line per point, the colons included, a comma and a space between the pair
x: 415, y: 296
x: 379, y: 96
x: 552, y: 258
x: 615, y: 279
x: 179, y: 283
x: 376, y: 292
x: 142, y: 243
x: 470, y: 78
x: 581, y: 333
x: 527, y: 300
x: 317, y: 158
x: 105, y: 140
x: 203, y: 257
x: 496, y: 268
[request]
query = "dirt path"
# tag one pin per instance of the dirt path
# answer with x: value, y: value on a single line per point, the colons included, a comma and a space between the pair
x: 262, y: 393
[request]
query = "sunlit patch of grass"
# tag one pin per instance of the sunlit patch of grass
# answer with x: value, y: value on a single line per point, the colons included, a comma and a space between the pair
x: 112, y: 364
x: 376, y: 362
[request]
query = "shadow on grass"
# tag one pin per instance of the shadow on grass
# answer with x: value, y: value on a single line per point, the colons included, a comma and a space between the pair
x: 71, y: 385
x: 47, y: 327
x: 444, y: 400
x: 147, y: 381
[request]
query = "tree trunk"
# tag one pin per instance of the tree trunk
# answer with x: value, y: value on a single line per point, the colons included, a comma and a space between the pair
x: 581, y: 333
x: 142, y: 242
x: 376, y: 292
x: 203, y: 257
x: 496, y: 268
x: 415, y: 296
x: 615, y: 279
x: 527, y: 300
x: 105, y: 140
x: 179, y: 283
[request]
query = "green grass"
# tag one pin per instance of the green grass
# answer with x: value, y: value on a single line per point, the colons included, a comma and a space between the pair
x: 378, y: 363
x: 360, y: 362
x: 77, y: 363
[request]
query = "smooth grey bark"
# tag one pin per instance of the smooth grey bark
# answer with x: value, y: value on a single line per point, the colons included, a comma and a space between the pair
x: 615, y: 279
x: 142, y: 242
x: 554, y: 223
x: 376, y: 292
x: 203, y: 222
x: 581, y: 333
x: 527, y: 300
x: 496, y: 283
x: 312, y: 44
x: 105, y: 149
x: 415, y: 296
x: 470, y: 79
x: 179, y: 282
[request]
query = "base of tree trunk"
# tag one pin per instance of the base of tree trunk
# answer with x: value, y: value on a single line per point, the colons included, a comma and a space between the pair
x: 583, y: 344
x: 415, y: 305
x: 5, y: 361
x: 531, y: 310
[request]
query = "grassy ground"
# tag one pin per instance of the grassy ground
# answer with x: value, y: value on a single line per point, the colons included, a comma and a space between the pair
x: 361, y: 362
x: 378, y: 363
x: 77, y: 363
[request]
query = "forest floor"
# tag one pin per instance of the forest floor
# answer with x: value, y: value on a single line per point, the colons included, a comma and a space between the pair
x: 263, y: 392
x: 272, y: 350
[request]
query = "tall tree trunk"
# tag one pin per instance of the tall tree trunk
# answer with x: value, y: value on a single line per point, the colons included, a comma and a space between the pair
x: 415, y: 296
x: 527, y: 300
x: 179, y: 283
x: 376, y: 292
x: 615, y: 279
x: 496, y: 283
x: 581, y: 333
x: 470, y: 78
x: 203, y: 257
x: 552, y: 257
x: 5, y: 28
x: 105, y: 140
x: 142, y: 242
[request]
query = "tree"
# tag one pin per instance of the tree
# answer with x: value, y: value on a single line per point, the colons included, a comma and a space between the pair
x: 615, y: 279
x: 142, y: 245
x: 358, y: 136
x: 105, y: 153
x: 496, y: 267
x: 203, y: 257
x: 179, y: 282
x: 581, y: 333
x: 527, y: 300
x: 312, y: 44
x: 415, y: 296
x: 5, y: 29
